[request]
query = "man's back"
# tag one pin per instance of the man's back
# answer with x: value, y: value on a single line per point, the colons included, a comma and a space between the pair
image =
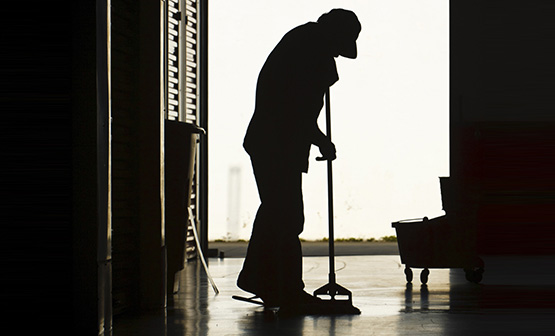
x: 289, y: 95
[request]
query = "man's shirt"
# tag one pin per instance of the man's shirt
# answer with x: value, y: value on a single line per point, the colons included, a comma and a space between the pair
x: 289, y: 97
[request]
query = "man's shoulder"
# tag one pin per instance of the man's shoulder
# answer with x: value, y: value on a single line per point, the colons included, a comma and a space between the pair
x: 302, y: 39
x: 304, y: 29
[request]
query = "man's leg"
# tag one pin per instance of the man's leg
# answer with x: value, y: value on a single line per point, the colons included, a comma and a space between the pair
x: 273, y: 265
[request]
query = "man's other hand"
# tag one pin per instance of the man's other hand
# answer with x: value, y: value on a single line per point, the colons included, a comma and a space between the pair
x: 328, y: 152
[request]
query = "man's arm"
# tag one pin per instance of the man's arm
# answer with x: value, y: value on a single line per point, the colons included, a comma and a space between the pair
x: 327, y: 148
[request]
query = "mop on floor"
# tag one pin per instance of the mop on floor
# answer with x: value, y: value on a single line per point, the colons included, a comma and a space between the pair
x: 340, y: 298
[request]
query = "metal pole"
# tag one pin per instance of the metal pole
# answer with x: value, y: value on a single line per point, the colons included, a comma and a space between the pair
x: 330, y: 195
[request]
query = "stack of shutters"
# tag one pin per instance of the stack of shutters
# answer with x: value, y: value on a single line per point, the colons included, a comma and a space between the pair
x: 172, y: 52
x: 190, y: 107
x: 182, y: 77
x: 191, y: 64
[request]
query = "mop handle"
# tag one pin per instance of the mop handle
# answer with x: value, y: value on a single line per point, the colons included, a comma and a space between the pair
x: 330, y: 195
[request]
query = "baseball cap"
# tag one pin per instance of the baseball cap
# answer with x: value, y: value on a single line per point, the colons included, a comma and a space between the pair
x: 345, y: 24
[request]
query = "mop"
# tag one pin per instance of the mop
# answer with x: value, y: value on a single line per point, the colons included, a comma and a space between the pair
x: 340, y: 298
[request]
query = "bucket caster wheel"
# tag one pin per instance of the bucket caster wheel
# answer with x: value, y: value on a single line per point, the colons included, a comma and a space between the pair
x: 408, y: 274
x: 424, y: 276
x: 474, y: 274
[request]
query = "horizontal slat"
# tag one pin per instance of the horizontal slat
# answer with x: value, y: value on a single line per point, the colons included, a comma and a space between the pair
x: 191, y: 51
x: 191, y: 8
x: 173, y: 82
x: 174, y: 52
x: 190, y: 35
x: 173, y: 24
x: 172, y: 20
x: 185, y: 50
x: 190, y: 109
x: 191, y: 19
x: 190, y: 71
x: 173, y: 63
x: 190, y: 14
x: 173, y: 32
x: 173, y: 39
x: 190, y: 29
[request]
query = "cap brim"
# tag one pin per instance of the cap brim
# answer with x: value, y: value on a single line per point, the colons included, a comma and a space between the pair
x: 349, y: 50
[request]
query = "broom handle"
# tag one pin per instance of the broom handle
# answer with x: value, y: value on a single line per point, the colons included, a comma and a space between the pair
x: 330, y: 195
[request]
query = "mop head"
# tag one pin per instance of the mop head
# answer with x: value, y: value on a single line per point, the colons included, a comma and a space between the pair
x: 330, y: 306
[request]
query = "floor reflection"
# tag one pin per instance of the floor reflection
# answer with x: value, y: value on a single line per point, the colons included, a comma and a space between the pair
x: 411, y: 305
x: 446, y: 305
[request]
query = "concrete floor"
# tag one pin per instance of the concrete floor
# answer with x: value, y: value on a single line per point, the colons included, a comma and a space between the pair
x: 516, y: 297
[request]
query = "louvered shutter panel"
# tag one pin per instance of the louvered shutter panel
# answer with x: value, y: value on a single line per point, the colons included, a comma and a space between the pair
x: 172, y: 52
x: 182, y: 81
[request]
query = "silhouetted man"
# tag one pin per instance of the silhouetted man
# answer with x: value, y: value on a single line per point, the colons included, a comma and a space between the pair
x: 289, y: 97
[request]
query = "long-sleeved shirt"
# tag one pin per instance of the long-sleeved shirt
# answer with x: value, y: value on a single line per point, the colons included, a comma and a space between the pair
x: 289, y: 97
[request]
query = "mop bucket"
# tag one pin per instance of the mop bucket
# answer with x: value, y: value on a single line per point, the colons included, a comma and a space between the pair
x: 434, y: 243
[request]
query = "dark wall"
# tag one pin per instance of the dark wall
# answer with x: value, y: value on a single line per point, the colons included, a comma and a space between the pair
x: 35, y: 72
x: 502, y: 122
x: 84, y: 167
x: 50, y: 186
x: 125, y: 154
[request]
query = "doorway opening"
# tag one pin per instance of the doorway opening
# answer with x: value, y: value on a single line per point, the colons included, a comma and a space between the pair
x: 390, y: 112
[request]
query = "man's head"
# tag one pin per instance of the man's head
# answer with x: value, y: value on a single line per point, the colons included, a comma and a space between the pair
x: 342, y: 27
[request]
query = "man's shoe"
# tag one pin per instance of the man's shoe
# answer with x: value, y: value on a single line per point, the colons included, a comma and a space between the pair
x: 270, y: 300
